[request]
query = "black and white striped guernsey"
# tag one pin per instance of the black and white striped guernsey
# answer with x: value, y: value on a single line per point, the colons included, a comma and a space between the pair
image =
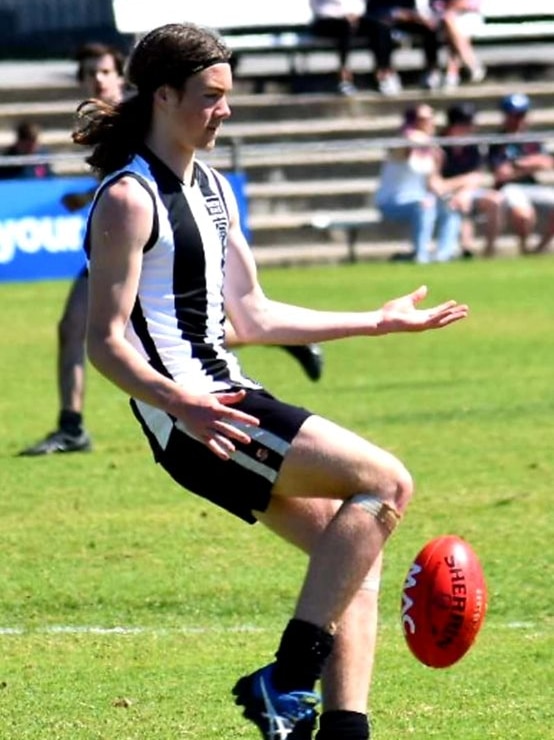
x: 177, y: 322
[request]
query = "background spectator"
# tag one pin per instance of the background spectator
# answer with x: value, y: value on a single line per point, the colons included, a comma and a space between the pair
x: 27, y: 142
x: 410, y: 187
x: 515, y: 167
x: 463, y: 171
x: 100, y: 74
x: 460, y: 19
x: 340, y: 21
x: 384, y: 18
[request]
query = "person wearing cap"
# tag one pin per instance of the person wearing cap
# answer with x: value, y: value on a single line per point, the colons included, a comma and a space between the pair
x: 463, y: 172
x: 516, y: 167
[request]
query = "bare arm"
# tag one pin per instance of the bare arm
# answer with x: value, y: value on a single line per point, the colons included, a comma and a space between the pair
x: 259, y: 320
x: 469, y: 180
x: 531, y: 163
x: 120, y: 228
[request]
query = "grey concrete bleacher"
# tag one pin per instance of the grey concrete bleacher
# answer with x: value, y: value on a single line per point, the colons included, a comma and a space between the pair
x: 309, y: 156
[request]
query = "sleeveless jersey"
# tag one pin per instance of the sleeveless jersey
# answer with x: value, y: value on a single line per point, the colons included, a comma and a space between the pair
x: 177, y: 322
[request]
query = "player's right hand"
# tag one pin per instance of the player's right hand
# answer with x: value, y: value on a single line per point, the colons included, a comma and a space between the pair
x: 211, y: 419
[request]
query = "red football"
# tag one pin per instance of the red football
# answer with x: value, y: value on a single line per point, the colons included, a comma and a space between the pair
x: 444, y: 601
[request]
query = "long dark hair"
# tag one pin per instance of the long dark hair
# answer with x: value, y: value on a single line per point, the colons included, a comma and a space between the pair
x: 168, y: 55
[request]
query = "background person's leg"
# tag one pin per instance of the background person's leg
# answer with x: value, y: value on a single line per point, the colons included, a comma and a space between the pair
x: 449, y: 226
x: 423, y: 216
x: 70, y: 434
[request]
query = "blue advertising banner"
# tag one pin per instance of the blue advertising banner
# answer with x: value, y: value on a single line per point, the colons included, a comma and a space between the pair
x: 41, y: 238
x: 238, y: 183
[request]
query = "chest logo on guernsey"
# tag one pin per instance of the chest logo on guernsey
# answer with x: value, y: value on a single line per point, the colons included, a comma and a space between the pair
x: 218, y: 216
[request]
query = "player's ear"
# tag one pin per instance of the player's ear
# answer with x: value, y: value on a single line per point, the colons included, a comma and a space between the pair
x: 163, y: 94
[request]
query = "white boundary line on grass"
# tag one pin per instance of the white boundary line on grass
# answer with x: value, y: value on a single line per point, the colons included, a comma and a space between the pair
x: 77, y: 629
x: 70, y: 629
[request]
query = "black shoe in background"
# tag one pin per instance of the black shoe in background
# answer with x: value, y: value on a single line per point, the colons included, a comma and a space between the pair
x: 310, y: 357
x: 59, y: 441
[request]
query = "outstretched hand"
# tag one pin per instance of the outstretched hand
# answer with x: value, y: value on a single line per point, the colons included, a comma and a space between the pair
x: 402, y: 314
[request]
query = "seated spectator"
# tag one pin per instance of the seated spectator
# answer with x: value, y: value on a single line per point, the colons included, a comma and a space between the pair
x: 460, y: 19
x: 463, y: 172
x: 27, y: 142
x: 516, y: 167
x: 340, y: 21
x: 410, y: 189
x: 387, y: 17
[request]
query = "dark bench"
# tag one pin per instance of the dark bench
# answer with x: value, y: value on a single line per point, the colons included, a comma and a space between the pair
x: 295, y: 41
x: 284, y: 27
x: 352, y: 227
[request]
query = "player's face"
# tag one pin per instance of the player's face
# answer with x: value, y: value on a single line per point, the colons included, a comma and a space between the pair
x: 201, y: 107
x: 101, y: 79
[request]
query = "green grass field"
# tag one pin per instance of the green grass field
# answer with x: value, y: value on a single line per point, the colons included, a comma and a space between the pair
x: 128, y: 607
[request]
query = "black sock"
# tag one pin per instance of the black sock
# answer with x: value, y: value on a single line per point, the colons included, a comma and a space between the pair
x: 70, y: 421
x: 301, y: 656
x: 340, y: 724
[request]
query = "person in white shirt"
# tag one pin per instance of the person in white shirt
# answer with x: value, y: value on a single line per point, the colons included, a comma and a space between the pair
x: 410, y: 190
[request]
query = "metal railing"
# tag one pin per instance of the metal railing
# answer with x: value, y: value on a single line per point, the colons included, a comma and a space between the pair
x: 236, y: 152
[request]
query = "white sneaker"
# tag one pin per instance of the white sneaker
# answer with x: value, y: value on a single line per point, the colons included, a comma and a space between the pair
x: 451, y: 81
x: 347, y: 89
x: 390, y: 85
x: 432, y: 80
x: 477, y: 74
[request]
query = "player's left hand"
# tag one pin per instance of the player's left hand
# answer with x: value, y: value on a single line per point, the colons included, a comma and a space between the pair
x: 402, y: 314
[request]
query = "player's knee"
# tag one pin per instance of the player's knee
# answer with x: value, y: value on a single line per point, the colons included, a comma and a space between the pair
x: 404, y: 488
x: 388, y: 501
x: 397, y: 487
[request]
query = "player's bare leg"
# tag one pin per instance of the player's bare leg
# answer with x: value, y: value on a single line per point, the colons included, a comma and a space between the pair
x: 328, y: 461
x: 348, y: 672
x: 345, y: 539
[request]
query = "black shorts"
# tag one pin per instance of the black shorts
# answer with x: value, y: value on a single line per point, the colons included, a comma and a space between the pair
x: 244, y: 482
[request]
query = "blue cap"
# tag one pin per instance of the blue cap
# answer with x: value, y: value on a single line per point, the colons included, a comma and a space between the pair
x: 517, y: 103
